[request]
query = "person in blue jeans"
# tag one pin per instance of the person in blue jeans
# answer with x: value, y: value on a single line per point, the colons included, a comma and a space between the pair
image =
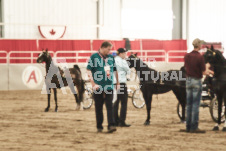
x: 195, y: 69
x: 193, y: 92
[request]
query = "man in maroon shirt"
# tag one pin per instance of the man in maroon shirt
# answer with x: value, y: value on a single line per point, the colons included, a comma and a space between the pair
x: 195, y: 68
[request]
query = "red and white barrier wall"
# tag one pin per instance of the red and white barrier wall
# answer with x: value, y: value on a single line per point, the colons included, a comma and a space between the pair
x: 19, y: 70
x: 143, y: 47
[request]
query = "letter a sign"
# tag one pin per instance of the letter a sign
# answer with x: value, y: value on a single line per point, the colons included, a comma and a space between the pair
x: 32, y: 77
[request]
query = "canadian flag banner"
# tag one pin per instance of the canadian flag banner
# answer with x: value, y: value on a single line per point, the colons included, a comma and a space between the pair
x: 52, y: 32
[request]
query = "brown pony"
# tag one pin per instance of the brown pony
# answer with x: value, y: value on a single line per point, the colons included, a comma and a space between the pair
x: 58, y: 78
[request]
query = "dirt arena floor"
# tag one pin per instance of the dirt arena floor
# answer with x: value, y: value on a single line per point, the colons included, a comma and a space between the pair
x: 24, y: 126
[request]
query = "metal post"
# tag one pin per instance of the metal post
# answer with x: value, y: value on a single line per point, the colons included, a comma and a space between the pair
x: 187, y: 22
x: 121, y: 18
x: 141, y: 47
x: 98, y: 21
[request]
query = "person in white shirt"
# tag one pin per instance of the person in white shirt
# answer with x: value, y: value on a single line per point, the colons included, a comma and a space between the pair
x: 122, y: 95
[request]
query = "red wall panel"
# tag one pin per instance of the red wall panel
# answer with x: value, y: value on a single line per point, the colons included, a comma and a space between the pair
x: 55, y: 45
x: 81, y: 45
x: 135, y: 45
x: 174, y: 45
x: 152, y: 44
x: 116, y: 44
x: 17, y: 45
x: 166, y: 45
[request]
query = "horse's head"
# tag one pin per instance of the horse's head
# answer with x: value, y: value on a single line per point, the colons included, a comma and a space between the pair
x: 213, y: 56
x: 210, y: 56
x: 131, y: 60
x: 43, y: 56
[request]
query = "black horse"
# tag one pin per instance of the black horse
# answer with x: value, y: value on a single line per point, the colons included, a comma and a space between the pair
x: 55, y: 75
x: 218, y: 64
x: 153, y: 82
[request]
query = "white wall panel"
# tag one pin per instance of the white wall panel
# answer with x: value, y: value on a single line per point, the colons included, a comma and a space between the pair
x: 14, y: 74
x: 110, y: 18
x: 78, y: 15
x: 147, y: 19
x: 16, y: 78
x: 4, y: 78
x: 207, y: 21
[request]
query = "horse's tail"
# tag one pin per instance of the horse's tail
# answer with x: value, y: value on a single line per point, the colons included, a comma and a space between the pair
x: 81, y: 89
x: 77, y: 67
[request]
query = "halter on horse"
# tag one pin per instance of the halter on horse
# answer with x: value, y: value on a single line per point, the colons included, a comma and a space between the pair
x: 218, y: 63
x: 150, y: 86
x: 54, y: 75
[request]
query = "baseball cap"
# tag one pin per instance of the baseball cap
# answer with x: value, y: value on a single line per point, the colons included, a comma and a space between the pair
x: 114, y: 54
x: 121, y: 50
x: 197, y: 42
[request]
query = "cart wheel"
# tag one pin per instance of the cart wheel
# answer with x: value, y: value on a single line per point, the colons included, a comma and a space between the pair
x: 87, y: 99
x: 179, y: 111
x: 137, y: 99
x: 214, y: 110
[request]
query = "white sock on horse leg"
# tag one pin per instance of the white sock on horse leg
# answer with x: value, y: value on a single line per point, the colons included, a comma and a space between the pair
x: 217, y: 124
x: 81, y: 106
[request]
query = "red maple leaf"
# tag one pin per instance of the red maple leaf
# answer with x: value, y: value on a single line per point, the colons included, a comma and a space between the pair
x: 52, y: 32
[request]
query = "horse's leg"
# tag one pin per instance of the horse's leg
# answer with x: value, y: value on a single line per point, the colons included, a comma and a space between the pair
x: 81, y: 91
x: 55, y: 98
x: 78, y: 100
x: 181, y: 97
x: 219, y: 99
x: 183, y: 104
x: 148, y: 100
x: 224, y: 128
x: 72, y: 88
x: 47, y: 109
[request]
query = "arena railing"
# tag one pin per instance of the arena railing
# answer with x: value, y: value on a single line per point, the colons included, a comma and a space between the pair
x: 24, y: 55
x: 73, y: 56
x: 3, y: 56
x: 150, y: 55
x: 83, y: 55
x: 179, y: 57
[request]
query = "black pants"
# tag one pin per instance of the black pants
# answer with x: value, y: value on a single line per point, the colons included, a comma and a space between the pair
x: 99, y: 102
x: 123, y: 97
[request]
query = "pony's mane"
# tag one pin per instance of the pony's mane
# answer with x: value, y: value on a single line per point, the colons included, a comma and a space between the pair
x: 49, y: 57
x: 143, y: 63
x: 220, y: 57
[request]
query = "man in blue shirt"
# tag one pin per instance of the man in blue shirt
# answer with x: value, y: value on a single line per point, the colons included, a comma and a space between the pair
x: 122, y: 95
x: 101, y: 68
